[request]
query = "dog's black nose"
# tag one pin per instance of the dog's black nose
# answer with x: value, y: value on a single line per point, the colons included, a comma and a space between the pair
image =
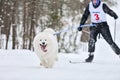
x: 43, y: 43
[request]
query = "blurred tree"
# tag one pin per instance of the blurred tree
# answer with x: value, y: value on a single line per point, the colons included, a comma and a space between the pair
x: 21, y: 20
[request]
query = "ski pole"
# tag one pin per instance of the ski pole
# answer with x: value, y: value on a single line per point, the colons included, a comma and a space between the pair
x: 67, y: 29
x: 86, y: 31
x: 88, y: 25
x: 115, y: 31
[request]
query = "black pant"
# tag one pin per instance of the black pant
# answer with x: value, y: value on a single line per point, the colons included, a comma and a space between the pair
x: 103, y: 29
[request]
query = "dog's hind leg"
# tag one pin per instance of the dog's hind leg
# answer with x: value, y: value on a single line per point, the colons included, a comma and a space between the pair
x: 56, y: 58
x: 56, y: 55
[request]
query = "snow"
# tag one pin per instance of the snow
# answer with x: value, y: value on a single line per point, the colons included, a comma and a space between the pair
x: 24, y: 65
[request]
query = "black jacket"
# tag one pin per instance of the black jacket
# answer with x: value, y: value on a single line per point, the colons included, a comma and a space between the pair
x: 106, y: 9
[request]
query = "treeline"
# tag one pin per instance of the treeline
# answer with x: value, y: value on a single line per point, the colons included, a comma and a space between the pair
x: 21, y: 20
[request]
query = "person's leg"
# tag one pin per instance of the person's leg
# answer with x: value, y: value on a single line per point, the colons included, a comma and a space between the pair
x: 93, y: 38
x: 107, y: 36
x: 91, y: 45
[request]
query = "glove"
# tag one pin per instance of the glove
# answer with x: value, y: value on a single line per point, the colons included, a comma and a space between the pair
x: 115, y: 17
x: 79, y: 28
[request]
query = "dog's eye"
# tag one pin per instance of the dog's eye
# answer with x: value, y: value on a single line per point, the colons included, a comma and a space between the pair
x: 40, y: 40
x: 45, y: 40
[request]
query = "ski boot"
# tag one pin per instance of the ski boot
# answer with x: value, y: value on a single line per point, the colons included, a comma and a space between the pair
x: 90, y: 58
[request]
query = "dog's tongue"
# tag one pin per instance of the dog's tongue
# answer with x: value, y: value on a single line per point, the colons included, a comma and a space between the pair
x: 43, y: 48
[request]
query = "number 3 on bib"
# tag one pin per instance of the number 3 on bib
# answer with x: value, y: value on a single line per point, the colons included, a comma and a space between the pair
x: 96, y: 17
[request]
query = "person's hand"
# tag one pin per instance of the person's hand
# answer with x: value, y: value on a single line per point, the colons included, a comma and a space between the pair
x: 80, y: 28
x: 115, y: 17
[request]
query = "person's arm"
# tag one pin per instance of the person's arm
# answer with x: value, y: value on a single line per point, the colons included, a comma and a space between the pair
x: 85, y: 15
x: 109, y: 11
x: 84, y: 18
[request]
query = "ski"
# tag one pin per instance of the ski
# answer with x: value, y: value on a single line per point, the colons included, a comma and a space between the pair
x: 75, y: 62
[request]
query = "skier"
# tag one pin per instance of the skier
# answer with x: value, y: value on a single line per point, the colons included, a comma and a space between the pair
x: 98, y: 10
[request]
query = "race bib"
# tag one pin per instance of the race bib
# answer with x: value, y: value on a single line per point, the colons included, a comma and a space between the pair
x: 97, y: 17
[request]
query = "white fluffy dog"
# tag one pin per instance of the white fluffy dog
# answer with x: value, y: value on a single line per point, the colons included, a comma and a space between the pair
x: 46, y: 47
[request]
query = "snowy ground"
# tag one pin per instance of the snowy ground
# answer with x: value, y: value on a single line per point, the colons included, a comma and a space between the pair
x: 24, y: 65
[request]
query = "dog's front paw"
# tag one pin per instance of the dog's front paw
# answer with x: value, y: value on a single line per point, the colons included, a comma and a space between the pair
x: 41, y: 64
x: 56, y: 59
